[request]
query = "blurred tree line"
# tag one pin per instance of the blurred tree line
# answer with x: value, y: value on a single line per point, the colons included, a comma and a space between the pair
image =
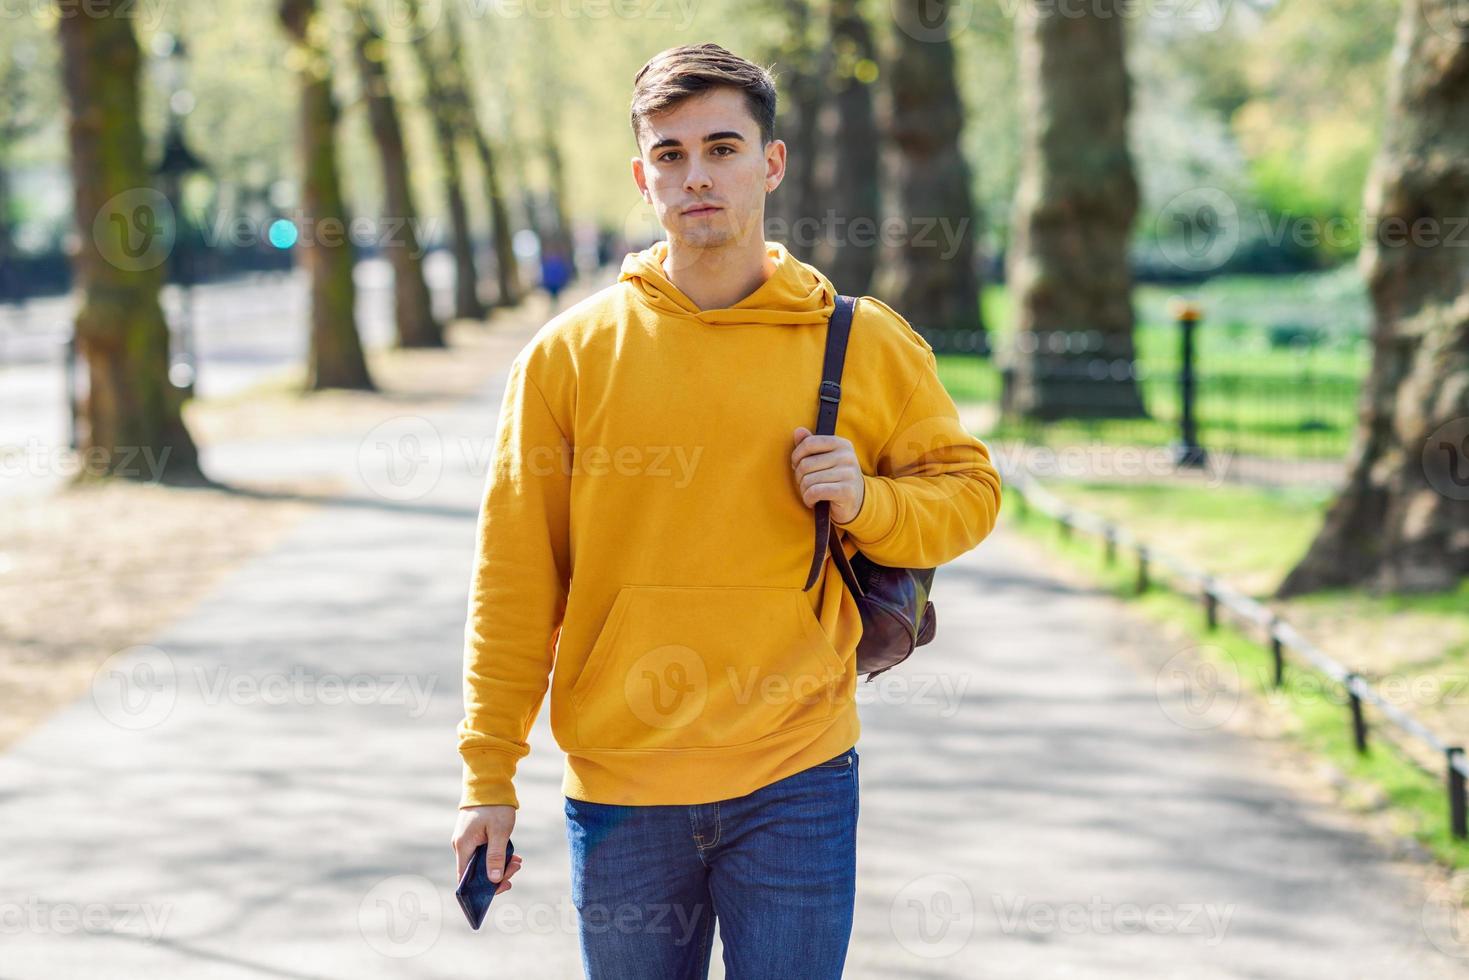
x: 1062, y: 142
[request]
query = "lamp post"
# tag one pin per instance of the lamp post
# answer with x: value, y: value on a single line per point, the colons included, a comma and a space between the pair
x: 177, y: 162
x: 1187, y: 451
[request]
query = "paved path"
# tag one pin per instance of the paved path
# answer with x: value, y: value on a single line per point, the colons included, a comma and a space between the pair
x: 268, y: 789
x: 250, y: 327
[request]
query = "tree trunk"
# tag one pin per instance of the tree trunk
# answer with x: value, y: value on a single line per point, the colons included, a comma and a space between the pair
x: 412, y: 302
x: 531, y: 211
x: 467, y: 304
x: 848, y: 173
x: 1401, y: 523
x: 801, y: 69
x: 133, y: 414
x: 557, y: 172
x: 459, y: 93
x: 931, y: 276
x: 335, y: 359
x: 9, y: 287
x: 1077, y: 198
x: 507, y: 270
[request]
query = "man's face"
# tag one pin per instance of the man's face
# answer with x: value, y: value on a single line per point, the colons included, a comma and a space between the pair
x: 704, y: 171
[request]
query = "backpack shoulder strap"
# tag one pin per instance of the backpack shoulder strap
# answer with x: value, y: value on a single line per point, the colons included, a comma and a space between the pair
x: 838, y: 330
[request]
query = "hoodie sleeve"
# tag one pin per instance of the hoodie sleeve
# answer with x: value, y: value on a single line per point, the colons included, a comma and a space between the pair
x: 934, y: 494
x: 517, y: 592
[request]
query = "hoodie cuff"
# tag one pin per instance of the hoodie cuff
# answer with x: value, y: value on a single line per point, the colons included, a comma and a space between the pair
x: 488, y: 783
x: 878, y: 514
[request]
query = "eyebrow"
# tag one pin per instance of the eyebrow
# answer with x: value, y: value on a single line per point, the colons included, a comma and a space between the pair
x: 727, y: 134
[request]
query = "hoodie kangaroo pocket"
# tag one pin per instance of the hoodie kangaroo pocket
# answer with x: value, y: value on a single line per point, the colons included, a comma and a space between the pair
x: 704, y: 667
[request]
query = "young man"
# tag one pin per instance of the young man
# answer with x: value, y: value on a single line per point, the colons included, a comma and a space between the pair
x: 704, y: 700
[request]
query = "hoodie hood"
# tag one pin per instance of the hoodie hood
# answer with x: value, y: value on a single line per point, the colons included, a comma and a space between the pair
x: 796, y: 294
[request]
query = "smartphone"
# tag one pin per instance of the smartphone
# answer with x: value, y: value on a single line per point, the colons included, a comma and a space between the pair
x: 475, y: 889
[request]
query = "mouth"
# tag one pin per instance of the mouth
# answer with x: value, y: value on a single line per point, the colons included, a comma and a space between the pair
x: 701, y: 210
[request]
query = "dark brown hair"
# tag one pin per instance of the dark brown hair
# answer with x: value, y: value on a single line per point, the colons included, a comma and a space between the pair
x: 676, y: 74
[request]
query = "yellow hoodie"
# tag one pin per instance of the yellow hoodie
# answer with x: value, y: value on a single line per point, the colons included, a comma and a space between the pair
x: 658, y: 566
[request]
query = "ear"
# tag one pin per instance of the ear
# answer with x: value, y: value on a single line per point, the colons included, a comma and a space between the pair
x: 775, y: 164
x: 640, y: 177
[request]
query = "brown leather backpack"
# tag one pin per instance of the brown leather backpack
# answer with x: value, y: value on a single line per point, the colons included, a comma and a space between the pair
x: 897, y: 616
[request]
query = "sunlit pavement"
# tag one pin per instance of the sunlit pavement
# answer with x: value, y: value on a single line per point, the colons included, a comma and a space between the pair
x: 267, y: 788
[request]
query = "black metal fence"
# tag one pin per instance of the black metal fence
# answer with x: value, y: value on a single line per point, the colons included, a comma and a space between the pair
x: 1281, y: 401
x: 1157, y: 568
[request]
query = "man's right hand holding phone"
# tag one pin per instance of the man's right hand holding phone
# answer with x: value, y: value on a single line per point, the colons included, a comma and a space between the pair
x: 485, y: 825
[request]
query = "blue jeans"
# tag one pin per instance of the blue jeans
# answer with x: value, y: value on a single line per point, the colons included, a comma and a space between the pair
x: 777, y: 867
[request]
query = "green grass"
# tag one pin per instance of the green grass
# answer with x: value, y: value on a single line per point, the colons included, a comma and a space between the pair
x: 1231, y: 530
x: 1254, y: 397
x: 1253, y: 530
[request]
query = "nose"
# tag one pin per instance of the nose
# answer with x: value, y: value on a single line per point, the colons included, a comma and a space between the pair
x: 697, y: 180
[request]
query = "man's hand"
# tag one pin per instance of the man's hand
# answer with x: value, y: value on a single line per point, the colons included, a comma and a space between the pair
x: 826, y: 469
x: 478, y: 825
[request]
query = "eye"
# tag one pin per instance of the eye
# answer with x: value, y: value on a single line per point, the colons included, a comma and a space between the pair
x: 666, y: 157
x: 723, y: 146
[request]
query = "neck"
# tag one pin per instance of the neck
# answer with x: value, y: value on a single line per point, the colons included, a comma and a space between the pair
x: 719, y: 277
